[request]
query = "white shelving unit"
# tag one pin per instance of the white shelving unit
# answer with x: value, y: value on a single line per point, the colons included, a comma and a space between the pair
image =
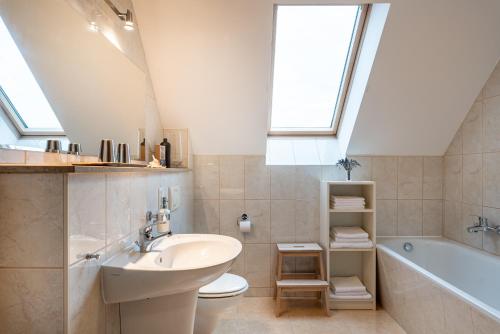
x: 350, y: 261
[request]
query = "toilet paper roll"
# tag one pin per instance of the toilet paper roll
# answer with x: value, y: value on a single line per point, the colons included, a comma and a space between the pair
x: 245, y: 226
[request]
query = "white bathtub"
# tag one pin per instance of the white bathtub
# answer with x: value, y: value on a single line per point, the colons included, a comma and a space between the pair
x: 440, y: 286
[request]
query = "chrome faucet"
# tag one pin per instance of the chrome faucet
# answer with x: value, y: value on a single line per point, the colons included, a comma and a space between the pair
x: 146, y: 232
x: 482, y: 225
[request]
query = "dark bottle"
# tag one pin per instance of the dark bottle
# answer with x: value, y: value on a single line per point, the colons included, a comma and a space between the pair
x: 165, y: 153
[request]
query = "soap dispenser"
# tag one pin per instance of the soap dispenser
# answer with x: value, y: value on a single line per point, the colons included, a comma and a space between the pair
x: 164, y: 217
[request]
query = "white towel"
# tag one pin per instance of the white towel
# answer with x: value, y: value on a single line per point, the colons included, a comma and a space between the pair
x: 349, y: 232
x: 346, y: 198
x: 346, y: 284
x: 366, y: 296
x: 366, y: 244
x: 343, y: 240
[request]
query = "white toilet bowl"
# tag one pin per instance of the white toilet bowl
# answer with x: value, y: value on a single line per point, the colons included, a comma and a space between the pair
x: 214, y: 298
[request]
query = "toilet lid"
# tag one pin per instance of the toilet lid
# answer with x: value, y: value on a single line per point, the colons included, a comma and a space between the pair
x: 227, y: 283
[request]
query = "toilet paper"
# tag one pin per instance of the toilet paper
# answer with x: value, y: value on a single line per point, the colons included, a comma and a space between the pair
x: 245, y: 226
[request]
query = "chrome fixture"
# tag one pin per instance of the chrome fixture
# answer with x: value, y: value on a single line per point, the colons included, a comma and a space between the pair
x: 127, y: 17
x: 146, y: 233
x: 481, y: 225
x: 90, y: 256
x: 123, y: 153
x: 53, y: 146
x: 408, y: 246
x: 107, y: 151
x: 74, y: 148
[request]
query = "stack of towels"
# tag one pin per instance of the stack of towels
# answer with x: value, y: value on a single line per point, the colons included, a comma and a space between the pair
x: 347, y: 202
x: 349, y: 237
x: 348, y: 288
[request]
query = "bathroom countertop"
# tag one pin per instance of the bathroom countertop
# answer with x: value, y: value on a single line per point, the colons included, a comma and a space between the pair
x: 23, y: 168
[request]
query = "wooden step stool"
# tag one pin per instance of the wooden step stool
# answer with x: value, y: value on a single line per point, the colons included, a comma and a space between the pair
x: 301, y: 281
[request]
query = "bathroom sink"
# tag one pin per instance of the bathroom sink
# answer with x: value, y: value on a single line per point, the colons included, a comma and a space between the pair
x: 176, y: 264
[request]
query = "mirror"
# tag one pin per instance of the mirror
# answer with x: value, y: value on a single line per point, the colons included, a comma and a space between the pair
x: 89, y: 69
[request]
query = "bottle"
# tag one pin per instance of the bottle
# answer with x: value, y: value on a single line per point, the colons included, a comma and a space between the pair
x: 163, y: 217
x: 142, y: 150
x: 165, y: 153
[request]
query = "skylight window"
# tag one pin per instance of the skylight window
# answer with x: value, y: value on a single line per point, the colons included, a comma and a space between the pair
x: 314, y: 52
x: 20, y: 95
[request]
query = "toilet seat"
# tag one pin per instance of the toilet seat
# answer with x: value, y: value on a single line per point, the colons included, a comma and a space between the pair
x: 227, y: 285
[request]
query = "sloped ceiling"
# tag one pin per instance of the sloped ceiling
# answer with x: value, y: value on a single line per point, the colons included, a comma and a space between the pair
x: 210, y: 64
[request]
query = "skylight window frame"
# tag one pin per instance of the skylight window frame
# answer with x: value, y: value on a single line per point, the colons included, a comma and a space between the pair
x: 10, y: 110
x: 350, y: 64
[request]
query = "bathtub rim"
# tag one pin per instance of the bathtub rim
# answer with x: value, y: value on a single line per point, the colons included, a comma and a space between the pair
x: 462, y: 295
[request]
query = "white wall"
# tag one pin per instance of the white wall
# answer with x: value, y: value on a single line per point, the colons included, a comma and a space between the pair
x: 211, y: 60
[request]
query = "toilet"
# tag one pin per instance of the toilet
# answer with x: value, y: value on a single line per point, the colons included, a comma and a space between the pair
x: 214, y: 298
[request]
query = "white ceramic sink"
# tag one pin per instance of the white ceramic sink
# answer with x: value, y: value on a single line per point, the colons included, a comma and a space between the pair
x: 176, y: 264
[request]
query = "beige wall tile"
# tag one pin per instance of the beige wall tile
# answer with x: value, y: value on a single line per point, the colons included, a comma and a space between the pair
x: 456, y: 144
x: 86, y: 310
x: 117, y: 207
x: 42, y: 158
x: 307, y: 221
x: 333, y: 173
x: 257, y: 265
x: 387, y: 217
x: 471, y: 239
x: 12, y: 157
x: 491, y: 171
x: 491, y: 124
x: 232, y: 176
x: 259, y: 212
x: 230, y: 212
x: 385, y: 171
x: 452, y: 227
x: 410, y: 217
x: 282, y: 220
x: 138, y: 202
x: 453, y: 178
x: 31, y: 219
x: 410, y: 177
x: 307, y: 179
x: 86, y: 214
x: 492, y: 86
x: 458, y: 316
x: 238, y: 267
x: 483, y: 324
x: 32, y: 300
x: 206, y: 177
x: 472, y: 179
x: 432, y: 222
x: 491, y: 241
x: 257, y: 178
x: 206, y: 216
x: 113, y: 319
x: 433, y: 178
x: 363, y: 173
x: 282, y: 182
x: 472, y: 130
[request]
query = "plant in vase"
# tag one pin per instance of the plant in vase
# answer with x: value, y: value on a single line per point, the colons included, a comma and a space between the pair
x: 348, y: 165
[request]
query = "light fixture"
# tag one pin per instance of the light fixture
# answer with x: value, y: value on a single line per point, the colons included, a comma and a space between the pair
x: 127, y: 17
x: 93, y: 27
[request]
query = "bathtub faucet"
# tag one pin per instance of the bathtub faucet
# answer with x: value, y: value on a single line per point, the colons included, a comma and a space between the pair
x: 482, y: 225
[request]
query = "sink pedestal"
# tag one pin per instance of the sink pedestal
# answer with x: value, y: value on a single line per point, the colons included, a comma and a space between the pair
x: 172, y: 314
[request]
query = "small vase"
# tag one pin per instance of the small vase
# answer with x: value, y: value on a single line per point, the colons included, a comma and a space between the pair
x: 348, y: 175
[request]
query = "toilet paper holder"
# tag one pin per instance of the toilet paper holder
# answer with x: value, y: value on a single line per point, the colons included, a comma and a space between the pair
x: 244, y: 217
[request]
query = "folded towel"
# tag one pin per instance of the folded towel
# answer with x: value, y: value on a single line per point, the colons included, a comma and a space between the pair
x: 349, y: 232
x: 353, y: 293
x: 366, y: 296
x: 335, y: 244
x: 346, y: 198
x: 346, y: 284
x: 341, y: 240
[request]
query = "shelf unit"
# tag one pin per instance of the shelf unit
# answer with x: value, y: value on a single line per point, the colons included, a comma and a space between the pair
x: 350, y: 261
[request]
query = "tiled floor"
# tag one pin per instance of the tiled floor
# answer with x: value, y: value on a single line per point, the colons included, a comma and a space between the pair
x: 256, y: 316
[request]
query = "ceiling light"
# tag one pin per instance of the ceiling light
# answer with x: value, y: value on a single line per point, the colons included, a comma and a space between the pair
x: 93, y: 26
x: 127, y: 17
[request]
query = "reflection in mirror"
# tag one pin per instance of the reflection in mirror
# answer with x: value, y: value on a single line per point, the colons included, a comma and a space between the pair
x: 74, y: 73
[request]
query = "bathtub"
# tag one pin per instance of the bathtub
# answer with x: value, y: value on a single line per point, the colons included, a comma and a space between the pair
x: 440, y: 286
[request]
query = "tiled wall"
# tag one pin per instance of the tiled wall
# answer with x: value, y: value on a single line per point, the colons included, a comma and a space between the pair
x: 31, y: 253
x: 472, y: 171
x: 283, y: 203
x: 105, y: 212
